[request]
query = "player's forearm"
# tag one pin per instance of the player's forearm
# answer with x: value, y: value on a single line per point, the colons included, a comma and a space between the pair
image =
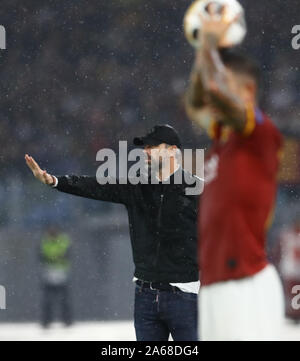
x: 210, y: 66
x: 203, y: 69
x: 207, y: 69
x: 213, y: 73
x: 195, y: 94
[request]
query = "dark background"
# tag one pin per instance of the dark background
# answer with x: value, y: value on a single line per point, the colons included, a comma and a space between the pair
x: 78, y: 76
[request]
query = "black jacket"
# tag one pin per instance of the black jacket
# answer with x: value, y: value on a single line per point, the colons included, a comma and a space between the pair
x: 162, y: 221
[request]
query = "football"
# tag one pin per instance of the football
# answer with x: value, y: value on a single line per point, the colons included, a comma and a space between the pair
x: 192, y: 21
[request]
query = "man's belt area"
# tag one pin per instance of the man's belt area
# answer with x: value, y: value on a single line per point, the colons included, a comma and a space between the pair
x: 161, y: 286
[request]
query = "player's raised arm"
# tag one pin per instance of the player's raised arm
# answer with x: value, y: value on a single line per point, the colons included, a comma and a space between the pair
x: 83, y: 186
x: 196, y: 95
x: 215, y: 78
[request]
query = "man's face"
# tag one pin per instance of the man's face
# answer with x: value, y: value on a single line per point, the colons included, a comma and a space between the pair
x: 159, y: 156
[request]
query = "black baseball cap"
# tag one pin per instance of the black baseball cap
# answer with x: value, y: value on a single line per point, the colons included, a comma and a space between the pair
x: 158, y: 135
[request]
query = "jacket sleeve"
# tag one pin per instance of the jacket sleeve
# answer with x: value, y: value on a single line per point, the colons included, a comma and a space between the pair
x: 88, y: 187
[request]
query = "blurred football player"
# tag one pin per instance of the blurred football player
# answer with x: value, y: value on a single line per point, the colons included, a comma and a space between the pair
x: 241, y: 296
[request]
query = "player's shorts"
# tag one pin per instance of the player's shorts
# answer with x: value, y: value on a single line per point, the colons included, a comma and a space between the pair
x: 251, y: 308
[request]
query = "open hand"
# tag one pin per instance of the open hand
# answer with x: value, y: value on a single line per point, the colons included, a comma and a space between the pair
x: 40, y: 174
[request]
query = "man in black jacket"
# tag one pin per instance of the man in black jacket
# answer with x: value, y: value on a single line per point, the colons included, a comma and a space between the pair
x: 162, y: 221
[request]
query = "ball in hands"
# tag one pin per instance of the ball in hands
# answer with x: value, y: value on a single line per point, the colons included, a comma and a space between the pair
x: 192, y: 21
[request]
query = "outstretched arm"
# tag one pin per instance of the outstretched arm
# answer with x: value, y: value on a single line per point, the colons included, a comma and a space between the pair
x: 83, y: 186
x: 230, y: 107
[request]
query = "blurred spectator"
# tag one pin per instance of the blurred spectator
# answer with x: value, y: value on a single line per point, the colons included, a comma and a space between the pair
x: 55, y: 257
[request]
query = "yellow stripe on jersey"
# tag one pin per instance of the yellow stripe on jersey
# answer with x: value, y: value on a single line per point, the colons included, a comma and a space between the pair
x: 250, y: 120
x: 248, y: 129
x: 211, y: 131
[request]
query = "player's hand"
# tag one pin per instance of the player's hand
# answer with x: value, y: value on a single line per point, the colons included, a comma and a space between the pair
x: 216, y: 24
x: 40, y: 174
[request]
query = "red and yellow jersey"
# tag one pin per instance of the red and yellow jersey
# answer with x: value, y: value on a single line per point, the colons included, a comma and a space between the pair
x: 238, y: 199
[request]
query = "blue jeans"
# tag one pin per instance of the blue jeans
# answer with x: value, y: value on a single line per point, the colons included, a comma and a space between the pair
x: 157, y: 314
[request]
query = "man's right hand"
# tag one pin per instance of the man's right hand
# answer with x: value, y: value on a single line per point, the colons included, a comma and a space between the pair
x: 40, y: 174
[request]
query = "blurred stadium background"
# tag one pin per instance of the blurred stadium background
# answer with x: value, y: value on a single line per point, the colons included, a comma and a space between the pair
x: 80, y: 75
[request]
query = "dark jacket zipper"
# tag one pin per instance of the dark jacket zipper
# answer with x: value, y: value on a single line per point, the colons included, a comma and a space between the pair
x: 158, y: 228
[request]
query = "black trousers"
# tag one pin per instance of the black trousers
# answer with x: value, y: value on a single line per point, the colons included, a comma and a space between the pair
x: 56, y: 296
